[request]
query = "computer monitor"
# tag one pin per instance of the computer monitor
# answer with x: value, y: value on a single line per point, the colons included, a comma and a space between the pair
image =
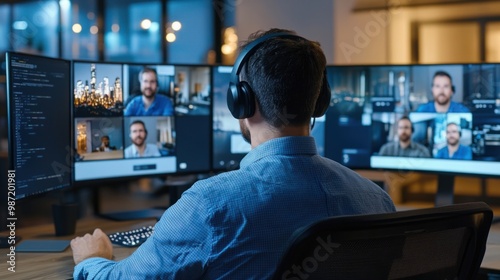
x: 39, y: 129
x: 229, y: 147
x: 117, y: 137
x: 368, y: 103
x: 39, y: 134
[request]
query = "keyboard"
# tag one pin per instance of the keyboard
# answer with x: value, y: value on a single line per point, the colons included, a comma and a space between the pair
x: 131, y: 238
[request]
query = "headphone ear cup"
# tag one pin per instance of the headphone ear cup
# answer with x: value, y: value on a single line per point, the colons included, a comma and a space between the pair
x: 232, y: 100
x: 323, y: 101
x: 241, y: 100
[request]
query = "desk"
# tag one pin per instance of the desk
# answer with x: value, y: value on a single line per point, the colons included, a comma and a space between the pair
x: 60, y: 265
x: 491, y: 260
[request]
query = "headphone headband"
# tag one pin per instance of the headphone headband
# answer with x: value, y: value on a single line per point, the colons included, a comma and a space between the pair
x: 252, y: 47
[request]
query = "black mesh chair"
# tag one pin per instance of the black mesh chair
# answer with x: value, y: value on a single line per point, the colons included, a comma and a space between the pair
x: 446, y: 242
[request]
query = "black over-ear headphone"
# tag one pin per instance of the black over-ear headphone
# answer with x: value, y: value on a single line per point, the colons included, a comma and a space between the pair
x: 241, y: 97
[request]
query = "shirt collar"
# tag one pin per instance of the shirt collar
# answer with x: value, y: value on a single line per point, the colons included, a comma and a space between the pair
x: 289, y: 145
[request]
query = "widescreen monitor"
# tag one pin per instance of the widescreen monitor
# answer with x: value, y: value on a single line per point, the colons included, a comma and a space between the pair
x: 111, y: 120
x: 229, y: 147
x: 39, y: 123
x: 368, y: 101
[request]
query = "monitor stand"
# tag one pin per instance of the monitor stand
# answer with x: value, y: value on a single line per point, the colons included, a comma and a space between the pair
x: 124, y: 215
x: 445, y: 190
x: 175, y: 185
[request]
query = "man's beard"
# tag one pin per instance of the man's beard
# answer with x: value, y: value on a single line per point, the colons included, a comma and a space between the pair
x: 245, y: 132
x: 453, y: 141
x: 405, y: 138
x: 148, y: 93
x: 442, y: 99
x: 138, y: 141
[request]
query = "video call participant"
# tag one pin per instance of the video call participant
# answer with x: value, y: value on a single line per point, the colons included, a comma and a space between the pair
x: 404, y: 147
x: 453, y: 148
x: 236, y: 225
x: 442, y: 92
x: 139, y: 146
x: 105, y: 146
x: 149, y: 103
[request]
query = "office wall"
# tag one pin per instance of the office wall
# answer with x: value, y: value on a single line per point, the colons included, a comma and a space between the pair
x: 385, y: 36
x: 311, y: 19
x: 400, y: 29
x: 360, y: 37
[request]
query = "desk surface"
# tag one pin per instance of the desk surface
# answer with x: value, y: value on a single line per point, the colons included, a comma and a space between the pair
x: 491, y: 260
x: 60, y: 265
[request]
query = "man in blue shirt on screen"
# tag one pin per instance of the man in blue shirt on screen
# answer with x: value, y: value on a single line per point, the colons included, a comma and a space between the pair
x: 442, y: 92
x: 150, y: 103
x: 453, y: 149
x: 236, y: 225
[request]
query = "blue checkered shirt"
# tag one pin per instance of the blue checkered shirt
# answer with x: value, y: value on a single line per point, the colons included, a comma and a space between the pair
x: 236, y: 225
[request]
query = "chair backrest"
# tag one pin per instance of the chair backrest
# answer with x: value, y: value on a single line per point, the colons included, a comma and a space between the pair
x: 446, y: 242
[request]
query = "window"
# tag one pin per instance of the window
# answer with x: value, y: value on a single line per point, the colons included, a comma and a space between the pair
x: 132, y: 32
x: 79, y: 29
x: 35, y: 28
x: 194, y: 41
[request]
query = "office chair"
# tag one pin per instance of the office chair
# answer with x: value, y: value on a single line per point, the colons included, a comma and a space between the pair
x: 446, y: 242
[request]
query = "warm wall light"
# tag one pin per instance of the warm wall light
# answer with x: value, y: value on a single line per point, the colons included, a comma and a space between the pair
x: 230, y: 45
x: 230, y: 41
x: 94, y: 29
x: 232, y: 38
x: 77, y: 28
x: 115, y: 27
x: 170, y: 37
x: 145, y: 23
x: 226, y: 49
x: 176, y: 25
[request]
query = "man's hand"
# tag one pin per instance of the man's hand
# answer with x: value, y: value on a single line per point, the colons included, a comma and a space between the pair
x: 95, y: 245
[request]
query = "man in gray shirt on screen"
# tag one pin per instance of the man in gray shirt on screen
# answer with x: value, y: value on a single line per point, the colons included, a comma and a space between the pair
x: 139, y: 147
x: 404, y: 147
